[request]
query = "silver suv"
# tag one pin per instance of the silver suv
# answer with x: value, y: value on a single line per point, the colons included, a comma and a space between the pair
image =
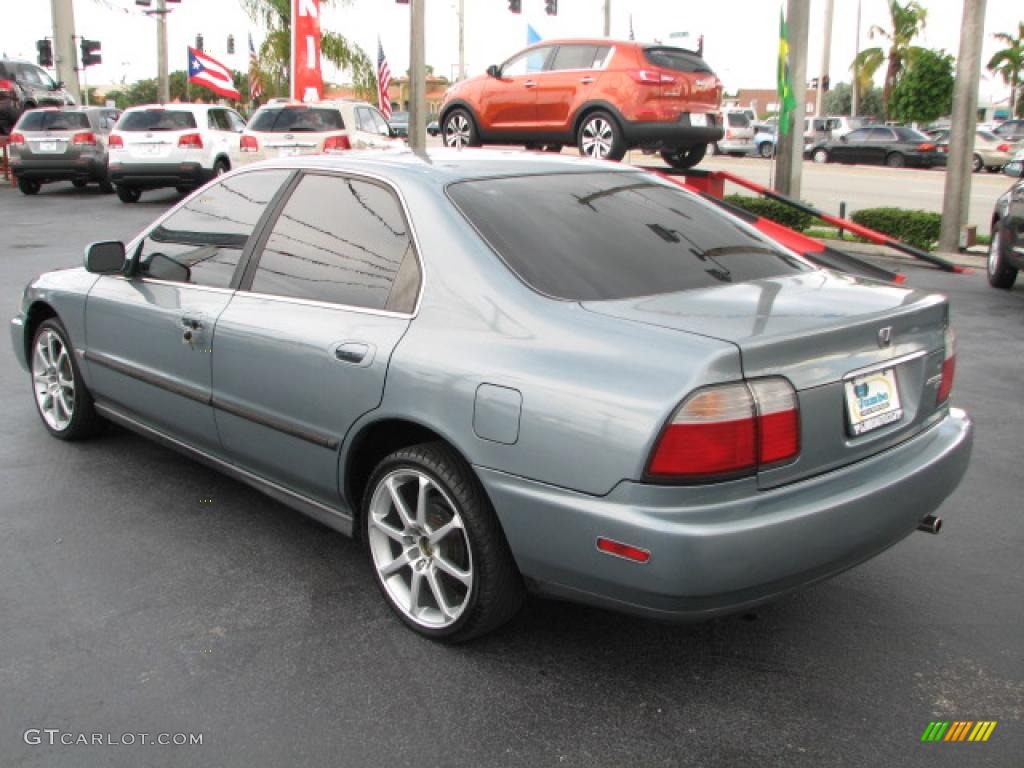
x: 67, y: 144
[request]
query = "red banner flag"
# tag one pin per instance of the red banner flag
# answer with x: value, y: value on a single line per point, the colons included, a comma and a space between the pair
x: 307, y: 80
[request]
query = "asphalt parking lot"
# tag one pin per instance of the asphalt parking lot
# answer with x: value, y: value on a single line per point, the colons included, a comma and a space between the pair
x: 145, y: 593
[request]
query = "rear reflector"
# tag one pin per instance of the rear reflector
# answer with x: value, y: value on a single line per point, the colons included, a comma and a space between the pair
x: 115, y: 141
x: 191, y: 141
x: 249, y: 144
x: 337, y: 144
x: 728, y: 430
x: 948, y: 368
x: 16, y: 138
x: 85, y: 137
x: 626, y: 551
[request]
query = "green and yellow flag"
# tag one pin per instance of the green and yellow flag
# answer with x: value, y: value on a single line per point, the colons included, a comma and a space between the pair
x: 787, y: 102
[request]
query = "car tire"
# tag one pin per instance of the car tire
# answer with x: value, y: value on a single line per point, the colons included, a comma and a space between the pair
x: 553, y: 148
x: 128, y: 194
x: 895, y: 160
x: 220, y: 168
x: 29, y: 186
x: 183, y: 189
x: 1000, y: 274
x: 820, y: 155
x: 977, y: 163
x: 993, y: 168
x: 684, y: 157
x: 599, y: 137
x: 766, y: 150
x: 454, y: 586
x: 459, y: 130
x: 62, y: 400
x: 79, y: 183
x: 106, y: 187
x: 713, y: 149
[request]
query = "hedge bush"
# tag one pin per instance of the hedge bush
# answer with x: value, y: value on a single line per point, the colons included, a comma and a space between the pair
x: 774, y: 210
x: 917, y: 228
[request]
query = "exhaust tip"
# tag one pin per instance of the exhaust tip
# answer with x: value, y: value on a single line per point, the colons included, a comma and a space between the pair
x: 931, y: 524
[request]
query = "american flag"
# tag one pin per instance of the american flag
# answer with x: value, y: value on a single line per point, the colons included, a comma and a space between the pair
x: 255, y: 83
x: 383, y: 81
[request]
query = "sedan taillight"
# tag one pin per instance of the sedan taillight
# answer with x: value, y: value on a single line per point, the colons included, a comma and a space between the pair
x: 248, y: 144
x: 115, y: 142
x: 190, y: 141
x: 1003, y: 148
x: 729, y: 429
x: 16, y: 138
x: 84, y: 138
x: 925, y: 147
x: 337, y: 144
x: 7, y: 85
x: 948, y: 368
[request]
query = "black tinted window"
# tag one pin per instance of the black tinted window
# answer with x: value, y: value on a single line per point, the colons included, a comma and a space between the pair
x: 343, y: 241
x: 157, y: 120
x: 574, y: 57
x: 677, y: 59
x: 54, y: 121
x: 738, y: 120
x: 207, y: 234
x: 297, y: 120
x: 600, y: 236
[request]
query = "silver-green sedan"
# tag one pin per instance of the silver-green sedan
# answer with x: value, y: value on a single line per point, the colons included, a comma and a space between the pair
x: 511, y: 372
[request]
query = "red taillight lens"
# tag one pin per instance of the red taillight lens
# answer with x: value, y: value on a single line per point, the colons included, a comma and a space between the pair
x: 191, y: 141
x: 925, y: 147
x: 1003, y: 148
x: 16, y: 138
x: 337, y: 144
x: 85, y: 137
x: 729, y: 429
x: 115, y: 141
x: 651, y: 76
x: 248, y: 144
x: 619, y: 549
x: 6, y: 85
x: 948, y: 368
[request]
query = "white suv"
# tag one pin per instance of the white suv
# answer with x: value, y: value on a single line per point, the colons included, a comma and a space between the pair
x: 172, y: 145
x: 284, y: 128
x: 739, y: 134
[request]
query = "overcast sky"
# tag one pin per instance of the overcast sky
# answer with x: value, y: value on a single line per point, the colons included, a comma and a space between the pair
x: 740, y: 35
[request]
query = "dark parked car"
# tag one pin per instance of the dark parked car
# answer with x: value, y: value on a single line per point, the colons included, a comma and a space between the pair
x: 399, y: 122
x: 1006, y: 249
x: 1011, y: 130
x: 890, y: 145
x: 25, y: 86
x: 66, y: 144
x: 447, y: 356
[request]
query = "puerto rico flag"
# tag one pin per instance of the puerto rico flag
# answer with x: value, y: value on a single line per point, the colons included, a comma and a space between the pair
x: 202, y: 70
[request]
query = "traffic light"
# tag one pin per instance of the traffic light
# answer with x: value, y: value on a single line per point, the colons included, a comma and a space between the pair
x: 814, y: 83
x: 824, y: 83
x: 551, y: 7
x: 45, y: 49
x: 231, y: 43
x: 515, y: 6
x: 199, y: 42
x: 90, y: 53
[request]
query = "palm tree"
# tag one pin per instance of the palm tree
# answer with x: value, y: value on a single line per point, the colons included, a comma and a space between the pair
x: 275, y: 53
x: 1009, y: 62
x: 907, y: 21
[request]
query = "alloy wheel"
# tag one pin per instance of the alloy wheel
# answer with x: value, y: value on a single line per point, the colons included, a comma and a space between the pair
x: 597, y: 137
x: 53, y: 380
x: 420, y: 549
x: 457, y: 132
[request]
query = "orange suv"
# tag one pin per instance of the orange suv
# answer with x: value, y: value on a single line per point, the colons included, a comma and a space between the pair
x: 604, y: 96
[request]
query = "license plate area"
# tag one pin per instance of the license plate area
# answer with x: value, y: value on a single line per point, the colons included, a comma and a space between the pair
x: 872, y: 401
x: 698, y: 119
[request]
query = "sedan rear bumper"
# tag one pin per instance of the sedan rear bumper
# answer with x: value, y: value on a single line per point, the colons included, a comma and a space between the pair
x: 722, y: 548
x: 155, y: 175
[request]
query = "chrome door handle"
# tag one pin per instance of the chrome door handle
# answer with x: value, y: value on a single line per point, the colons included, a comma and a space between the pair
x: 354, y: 353
x: 529, y: 84
x: 586, y: 80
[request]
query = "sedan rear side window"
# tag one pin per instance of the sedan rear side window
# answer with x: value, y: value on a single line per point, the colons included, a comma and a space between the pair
x: 207, y: 233
x: 157, y: 120
x: 343, y: 241
x: 297, y: 120
x: 596, y: 236
x: 54, y: 121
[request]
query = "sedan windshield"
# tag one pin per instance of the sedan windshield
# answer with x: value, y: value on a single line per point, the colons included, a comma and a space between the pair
x: 595, y: 236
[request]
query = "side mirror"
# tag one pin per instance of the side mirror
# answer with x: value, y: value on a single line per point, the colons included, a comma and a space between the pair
x: 105, y: 257
x: 1014, y: 168
x: 164, y: 267
x: 494, y: 71
x: 58, y: 85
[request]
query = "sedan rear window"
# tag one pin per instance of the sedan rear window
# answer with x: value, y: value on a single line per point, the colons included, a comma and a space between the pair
x: 676, y: 58
x: 598, y: 236
x: 54, y: 121
x: 297, y: 120
x: 157, y: 120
